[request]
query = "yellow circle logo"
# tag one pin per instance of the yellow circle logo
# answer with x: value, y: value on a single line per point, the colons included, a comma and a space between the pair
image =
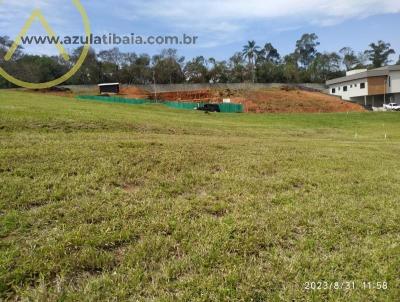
x: 38, y: 15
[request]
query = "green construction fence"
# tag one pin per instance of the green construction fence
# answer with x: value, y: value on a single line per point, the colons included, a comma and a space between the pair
x: 225, y: 107
x: 185, y: 105
x: 113, y: 99
x: 231, y: 108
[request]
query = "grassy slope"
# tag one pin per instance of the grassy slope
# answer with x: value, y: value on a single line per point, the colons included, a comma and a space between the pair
x: 99, y: 201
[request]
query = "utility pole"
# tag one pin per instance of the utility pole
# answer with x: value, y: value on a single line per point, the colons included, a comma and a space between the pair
x: 155, y: 87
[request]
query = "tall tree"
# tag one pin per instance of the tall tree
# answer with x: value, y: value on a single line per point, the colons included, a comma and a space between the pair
x: 136, y: 69
x: 90, y: 71
x: 196, y: 70
x: 111, y: 62
x: 168, y: 67
x: 219, y: 71
x: 5, y: 44
x: 379, y: 53
x: 349, y: 58
x: 250, y: 52
x: 237, y: 68
x: 362, y: 59
x: 325, y: 66
x: 269, y: 72
x: 291, y: 71
x: 306, y: 49
x: 269, y: 54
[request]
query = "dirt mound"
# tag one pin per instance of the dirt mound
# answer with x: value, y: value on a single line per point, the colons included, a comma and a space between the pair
x: 134, y: 93
x: 287, y: 99
x: 292, y: 101
x: 276, y: 100
x: 206, y: 96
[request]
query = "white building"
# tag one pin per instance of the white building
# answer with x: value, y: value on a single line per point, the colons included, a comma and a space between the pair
x: 371, y: 88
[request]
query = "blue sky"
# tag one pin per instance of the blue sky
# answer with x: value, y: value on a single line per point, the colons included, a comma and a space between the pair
x: 223, y: 26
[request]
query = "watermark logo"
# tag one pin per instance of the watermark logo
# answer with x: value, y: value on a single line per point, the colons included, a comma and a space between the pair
x: 38, y: 15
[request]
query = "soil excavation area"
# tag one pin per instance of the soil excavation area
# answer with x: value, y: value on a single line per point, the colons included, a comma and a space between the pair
x: 274, y: 100
x: 293, y: 101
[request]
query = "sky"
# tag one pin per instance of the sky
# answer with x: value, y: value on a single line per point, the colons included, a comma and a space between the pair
x: 223, y: 26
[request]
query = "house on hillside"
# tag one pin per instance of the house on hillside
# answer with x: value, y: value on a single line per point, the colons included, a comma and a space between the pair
x: 371, y: 88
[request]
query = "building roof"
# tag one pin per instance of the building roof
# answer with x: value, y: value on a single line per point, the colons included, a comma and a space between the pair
x: 108, y: 84
x: 382, y: 71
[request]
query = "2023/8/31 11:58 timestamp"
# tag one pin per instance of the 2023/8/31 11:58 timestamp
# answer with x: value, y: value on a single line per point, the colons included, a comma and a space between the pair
x: 345, y: 285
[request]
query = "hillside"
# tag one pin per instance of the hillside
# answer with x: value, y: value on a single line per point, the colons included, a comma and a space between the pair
x: 273, y: 100
x: 291, y: 101
x: 114, y: 202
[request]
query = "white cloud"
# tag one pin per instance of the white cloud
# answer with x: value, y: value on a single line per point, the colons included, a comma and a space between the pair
x: 61, y: 14
x: 231, y: 20
x: 249, y: 9
x: 219, y: 21
x: 213, y: 15
x: 208, y: 15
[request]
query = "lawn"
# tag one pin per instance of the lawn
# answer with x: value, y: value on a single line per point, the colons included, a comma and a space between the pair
x: 113, y: 202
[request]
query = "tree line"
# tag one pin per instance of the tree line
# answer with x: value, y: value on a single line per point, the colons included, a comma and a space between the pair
x: 254, y: 63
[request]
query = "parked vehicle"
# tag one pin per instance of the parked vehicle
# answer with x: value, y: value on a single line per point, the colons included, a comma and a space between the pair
x: 392, y: 106
x: 209, y: 108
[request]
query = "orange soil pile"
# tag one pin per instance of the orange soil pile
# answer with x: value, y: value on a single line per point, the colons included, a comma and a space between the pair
x: 293, y: 101
x: 134, y: 93
x: 283, y: 100
x: 188, y: 96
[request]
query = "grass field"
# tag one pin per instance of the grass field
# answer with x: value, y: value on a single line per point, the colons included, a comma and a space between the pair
x: 112, y: 202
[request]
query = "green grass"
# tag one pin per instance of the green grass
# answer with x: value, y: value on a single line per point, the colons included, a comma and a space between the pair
x: 112, y: 202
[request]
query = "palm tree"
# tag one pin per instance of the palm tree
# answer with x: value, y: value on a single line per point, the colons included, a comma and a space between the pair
x: 250, y: 52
